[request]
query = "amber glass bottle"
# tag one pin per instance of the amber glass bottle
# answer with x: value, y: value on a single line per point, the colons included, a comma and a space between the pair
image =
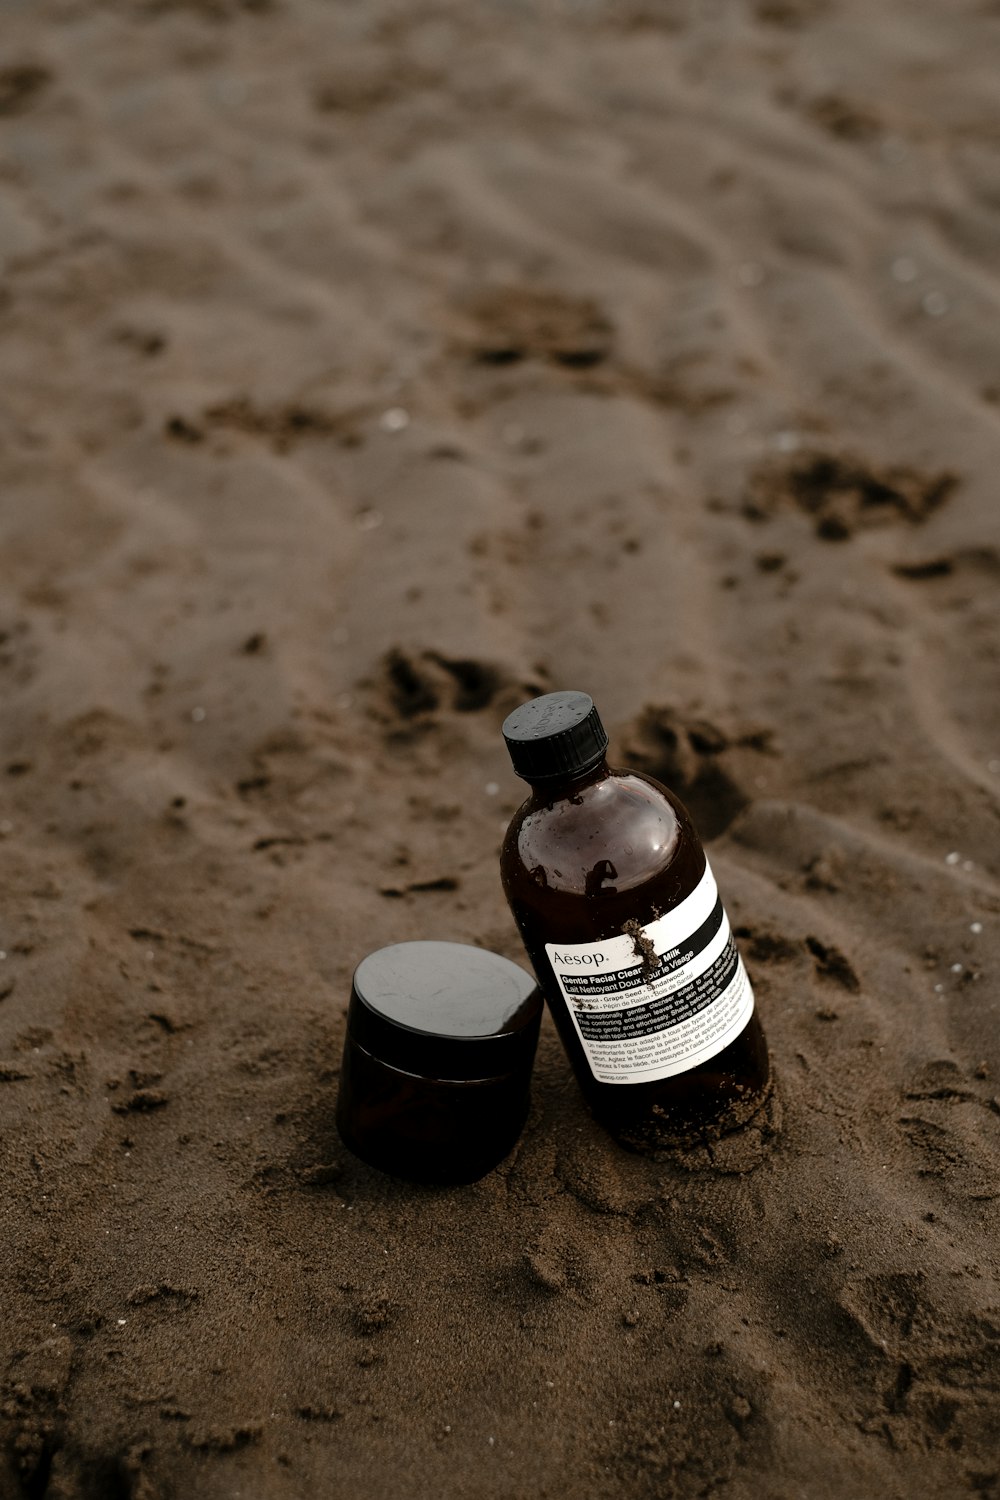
x: 619, y: 912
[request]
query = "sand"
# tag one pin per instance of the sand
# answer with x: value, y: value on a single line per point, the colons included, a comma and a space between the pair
x: 366, y: 367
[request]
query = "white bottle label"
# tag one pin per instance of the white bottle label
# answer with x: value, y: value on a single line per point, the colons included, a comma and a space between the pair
x: 640, y: 1020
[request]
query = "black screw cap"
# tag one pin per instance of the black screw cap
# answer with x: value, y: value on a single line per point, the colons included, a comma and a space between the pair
x: 559, y: 734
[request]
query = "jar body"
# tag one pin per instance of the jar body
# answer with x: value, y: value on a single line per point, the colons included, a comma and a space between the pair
x: 429, y: 1130
x: 584, y: 863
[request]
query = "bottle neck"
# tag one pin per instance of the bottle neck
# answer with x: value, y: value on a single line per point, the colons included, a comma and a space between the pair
x: 551, y: 789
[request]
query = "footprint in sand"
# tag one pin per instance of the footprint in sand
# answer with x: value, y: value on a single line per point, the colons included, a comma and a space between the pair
x: 518, y: 323
x: 699, y: 761
x: 415, y: 687
x: 844, y: 494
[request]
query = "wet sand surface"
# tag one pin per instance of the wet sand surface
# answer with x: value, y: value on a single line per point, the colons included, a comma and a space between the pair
x: 365, y: 368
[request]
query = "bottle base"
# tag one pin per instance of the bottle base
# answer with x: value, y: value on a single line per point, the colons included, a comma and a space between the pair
x: 658, y: 1132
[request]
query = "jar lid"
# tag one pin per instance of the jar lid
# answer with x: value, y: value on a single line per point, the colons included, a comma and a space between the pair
x: 445, y: 1010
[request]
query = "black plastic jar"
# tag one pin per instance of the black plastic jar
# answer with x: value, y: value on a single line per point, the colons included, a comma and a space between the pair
x: 436, y: 1073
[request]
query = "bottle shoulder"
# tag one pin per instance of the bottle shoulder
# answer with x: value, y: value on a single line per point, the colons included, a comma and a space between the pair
x: 611, y: 837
